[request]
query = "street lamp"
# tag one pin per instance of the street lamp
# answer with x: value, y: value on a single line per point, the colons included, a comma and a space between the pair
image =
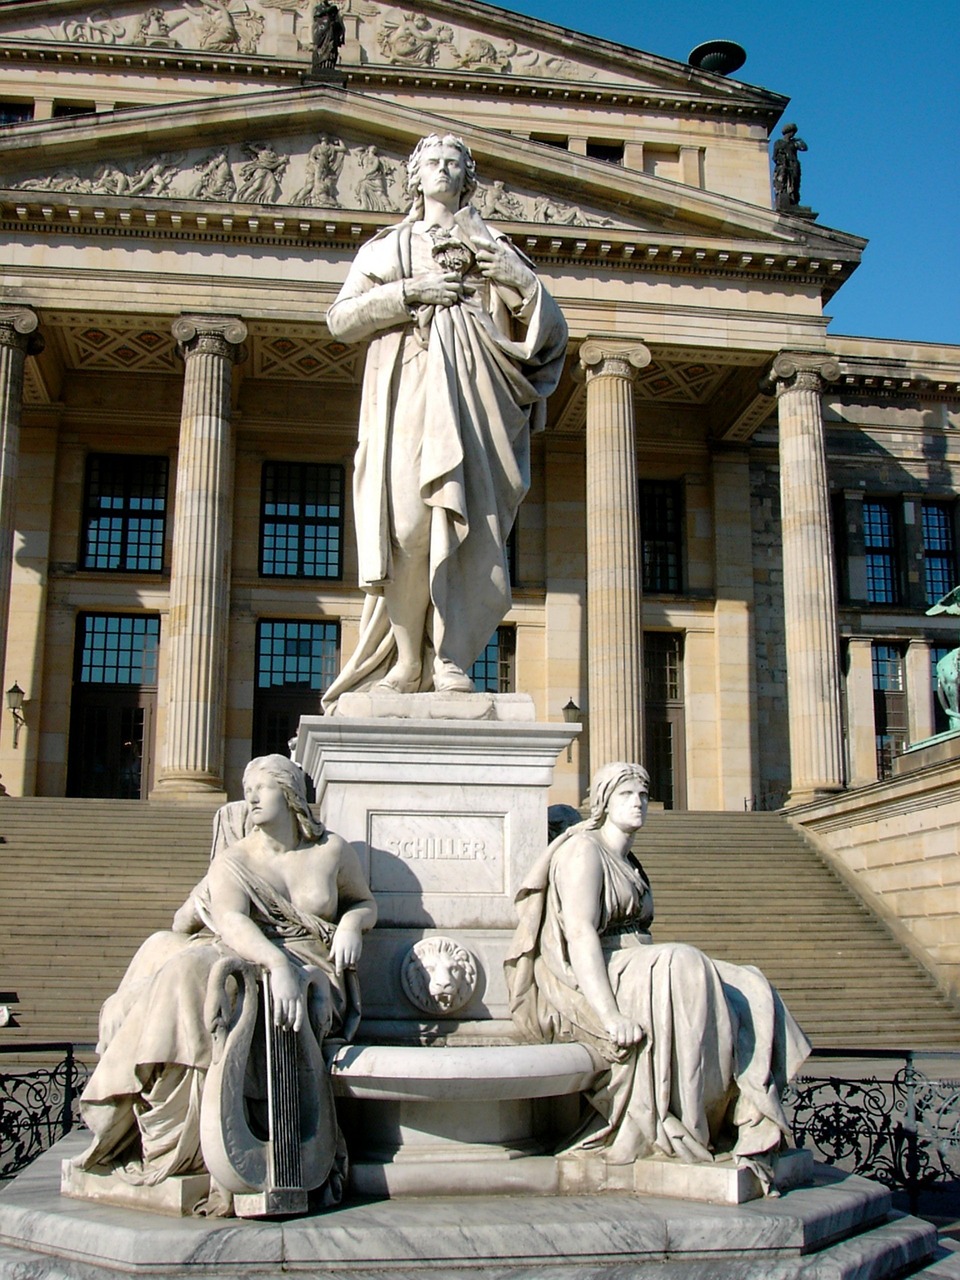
x: 15, y: 704
x: 571, y: 715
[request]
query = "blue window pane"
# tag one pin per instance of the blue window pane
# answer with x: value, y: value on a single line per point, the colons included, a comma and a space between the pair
x: 301, y: 517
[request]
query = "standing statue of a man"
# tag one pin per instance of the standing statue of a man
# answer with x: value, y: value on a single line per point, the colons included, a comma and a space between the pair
x: 786, y: 168
x: 465, y: 347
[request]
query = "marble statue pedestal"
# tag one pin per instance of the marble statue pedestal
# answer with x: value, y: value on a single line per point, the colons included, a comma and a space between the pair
x: 841, y: 1228
x: 444, y: 796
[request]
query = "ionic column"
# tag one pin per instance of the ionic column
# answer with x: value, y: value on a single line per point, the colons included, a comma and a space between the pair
x: 809, y: 590
x: 18, y: 339
x: 614, y: 570
x: 200, y: 573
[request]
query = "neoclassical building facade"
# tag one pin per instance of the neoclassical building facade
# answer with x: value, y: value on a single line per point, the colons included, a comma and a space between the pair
x: 736, y: 521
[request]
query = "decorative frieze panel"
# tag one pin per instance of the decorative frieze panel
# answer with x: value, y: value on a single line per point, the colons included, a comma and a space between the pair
x: 377, y: 34
x: 120, y: 345
x: 292, y: 356
x: 405, y: 38
x: 321, y: 172
x: 138, y: 347
x: 677, y: 381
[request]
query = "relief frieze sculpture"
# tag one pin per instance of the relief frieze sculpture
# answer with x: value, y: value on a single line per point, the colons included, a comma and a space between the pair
x: 324, y: 166
x: 216, y: 26
x: 226, y: 26
x: 408, y: 39
x: 260, y: 177
x: 327, y: 174
x: 153, y: 31
x: 388, y: 35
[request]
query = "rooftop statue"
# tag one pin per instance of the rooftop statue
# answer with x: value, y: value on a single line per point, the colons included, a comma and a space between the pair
x: 180, y: 1086
x: 786, y: 168
x: 465, y: 347
x: 696, y: 1052
x: 329, y: 35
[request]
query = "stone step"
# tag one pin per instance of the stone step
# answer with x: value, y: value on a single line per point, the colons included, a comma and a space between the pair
x: 82, y: 882
x: 840, y: 1228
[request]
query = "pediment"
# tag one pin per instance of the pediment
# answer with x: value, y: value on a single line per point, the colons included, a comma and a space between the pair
x: 335, y: 154
x: 452, y: 36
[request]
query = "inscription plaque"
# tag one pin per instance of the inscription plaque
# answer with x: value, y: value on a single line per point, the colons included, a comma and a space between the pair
x: 446, y: 853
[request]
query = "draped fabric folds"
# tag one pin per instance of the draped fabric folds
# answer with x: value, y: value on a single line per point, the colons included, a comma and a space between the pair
x: 142, y: 1101
x: 720, y: 1045
x: 466, y: 384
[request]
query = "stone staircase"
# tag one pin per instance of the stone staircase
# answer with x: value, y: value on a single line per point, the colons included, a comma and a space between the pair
x: 748, y: 888
x: 83, y: 882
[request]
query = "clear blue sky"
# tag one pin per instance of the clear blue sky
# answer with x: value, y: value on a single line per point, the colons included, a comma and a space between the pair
x: 874, y: 90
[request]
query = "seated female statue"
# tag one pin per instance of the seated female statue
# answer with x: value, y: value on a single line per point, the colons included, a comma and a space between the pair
x: 289, y: 898
x: 696, y: 1052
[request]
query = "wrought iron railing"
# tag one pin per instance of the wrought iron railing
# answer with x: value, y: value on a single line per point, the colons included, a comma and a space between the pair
x: 37, y: 1103
x: 903, y: 1131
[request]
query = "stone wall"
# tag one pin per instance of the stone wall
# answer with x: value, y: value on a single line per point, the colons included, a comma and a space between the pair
x: 897, y: 843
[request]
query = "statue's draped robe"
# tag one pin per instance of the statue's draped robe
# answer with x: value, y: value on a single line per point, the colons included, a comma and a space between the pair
x: 720, y: 1045
x: 143, y: 1100
x: 470, y: 381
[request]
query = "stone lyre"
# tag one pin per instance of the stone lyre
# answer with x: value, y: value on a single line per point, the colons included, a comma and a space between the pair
x: 269, y: 1163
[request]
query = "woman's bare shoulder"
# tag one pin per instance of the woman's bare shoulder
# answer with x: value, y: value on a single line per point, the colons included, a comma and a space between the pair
x: 579, y: 855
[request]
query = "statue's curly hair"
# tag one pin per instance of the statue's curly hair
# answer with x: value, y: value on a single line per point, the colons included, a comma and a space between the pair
x: 440, y: 140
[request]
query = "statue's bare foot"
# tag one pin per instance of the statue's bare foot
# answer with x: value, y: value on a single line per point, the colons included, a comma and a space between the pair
x: 402, y: 677
x: 448, y: 678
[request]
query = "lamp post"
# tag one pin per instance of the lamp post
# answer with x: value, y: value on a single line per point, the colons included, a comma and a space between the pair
x: 571, y: 715
x: 15, y: 704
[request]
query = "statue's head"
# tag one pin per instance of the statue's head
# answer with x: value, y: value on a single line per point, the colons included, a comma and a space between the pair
x: 789, y: 130
x: 432, y: 142
x: 605, y: 782
x: 290, y: 778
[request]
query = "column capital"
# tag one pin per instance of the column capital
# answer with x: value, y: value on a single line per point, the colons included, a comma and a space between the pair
x: 603, y: 359
x: 209, y: 334
x: 18, y: 328
x: 800, y: 370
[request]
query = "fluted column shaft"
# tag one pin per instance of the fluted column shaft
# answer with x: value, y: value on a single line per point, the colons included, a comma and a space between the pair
x: 200, y: 571
x: 18, y: 339
x: 809, y: 589
x: 614, y: 570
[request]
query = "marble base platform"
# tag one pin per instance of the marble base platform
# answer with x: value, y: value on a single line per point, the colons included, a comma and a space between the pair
x: 841, y: 1228
x: 721, y: 1183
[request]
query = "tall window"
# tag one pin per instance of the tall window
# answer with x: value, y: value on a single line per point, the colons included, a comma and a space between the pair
x: 664, y: 715
x: 661, y: 528
x: 301, y: 529
x: 118, y: 649
x: 297, y: 655
x: 125, y: 513
x: 296, y: 663
x: 495, y: 670
x: 113, y: 705
x: 879, y: 540
x: 889, y: 706
x: 939, y: 554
